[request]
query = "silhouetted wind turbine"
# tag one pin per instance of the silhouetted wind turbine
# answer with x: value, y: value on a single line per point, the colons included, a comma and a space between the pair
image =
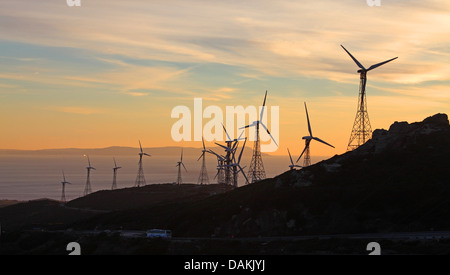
x: 292, y: 166
x: 256, y: 170
x: 114, y: 184
x: 220, y: 167
x: 236, y: 165
x: 179, y: 180
x: 140, y: 178
x: 307, y: 160
x: 87, y: 189
x: 203, y: 177
x: 64, y: 182
x: 362, y: 131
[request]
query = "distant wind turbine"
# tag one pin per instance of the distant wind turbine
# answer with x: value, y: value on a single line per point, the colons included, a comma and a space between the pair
x: 220, y: 167
x: 307, y: 160
x: 203, y: 177
x: 179, y: 179
x: 237, y: 167
x: 87, y: 189
x: 140, y: 178
x: 292, y: 166
x: 64, y: 182
x: 114, y: 184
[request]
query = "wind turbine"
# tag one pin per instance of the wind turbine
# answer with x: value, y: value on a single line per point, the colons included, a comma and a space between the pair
x: 236, y: 165
x: 362, y: 131
x: 87, y: 189
x: 203, y: 177
x: 292, y: 166
x: 114, y: 184
x: 230, y: 150
x: 307, y: 160
x: 259, y: 122
x: 220, y: 167
x: 256, y: 171
x: 179, y: 180
x: 140, y: 178
x: 64, y: 182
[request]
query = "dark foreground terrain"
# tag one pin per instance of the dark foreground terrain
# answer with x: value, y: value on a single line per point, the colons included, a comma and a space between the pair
x: 51, y: 243
x: 399, y: 181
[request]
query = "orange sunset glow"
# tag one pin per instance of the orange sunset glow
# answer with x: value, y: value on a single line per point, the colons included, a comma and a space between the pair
x: 109, y: 73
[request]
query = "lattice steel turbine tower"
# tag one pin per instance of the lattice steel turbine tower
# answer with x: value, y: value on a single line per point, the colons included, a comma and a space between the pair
x: 220, y: 168
x: 87, y: 188
x: 256, y: 170
x: 362, y: 131
x: 140, y: 178
x: 203, y: 177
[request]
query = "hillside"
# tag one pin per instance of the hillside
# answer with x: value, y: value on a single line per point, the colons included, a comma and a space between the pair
x: 132, y: 198
x: 397, y: 182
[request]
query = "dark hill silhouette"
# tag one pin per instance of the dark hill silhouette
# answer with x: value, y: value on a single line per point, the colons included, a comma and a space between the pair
x: 397, y: 181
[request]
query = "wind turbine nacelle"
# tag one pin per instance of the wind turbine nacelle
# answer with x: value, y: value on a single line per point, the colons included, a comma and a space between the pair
x: 306, y: 137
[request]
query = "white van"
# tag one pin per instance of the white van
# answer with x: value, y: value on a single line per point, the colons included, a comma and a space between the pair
x: 159, y: 233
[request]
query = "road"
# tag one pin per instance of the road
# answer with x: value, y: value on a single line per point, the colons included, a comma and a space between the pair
x: 425, y: 235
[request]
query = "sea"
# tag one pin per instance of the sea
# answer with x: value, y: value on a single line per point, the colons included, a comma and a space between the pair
x: 29, y: 177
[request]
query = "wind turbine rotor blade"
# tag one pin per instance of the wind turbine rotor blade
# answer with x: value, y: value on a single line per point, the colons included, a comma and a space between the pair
x: 204, y: 148
x: 250, y: 125
x: 290, y: 156
x: 201, y: 156
x: 264, y: 126
x: 307, y: 118
x: 354, y: 59
x: 318, y: 139
x: 212, y: 152
x: 235, y: 145
x: 226, y: 148
x: 147, y: 155
x: 229, y: 139
x: 140, y: 146
x: 379, y: 64
x: 115, y: 164
x: 242, y: 172
x: 181, y: 154
x: 242, y: 150
x: 306, y: 147
x: 263, y: 107
x: 218, y: 171
x: 184, y: 166
x: 239, y: 138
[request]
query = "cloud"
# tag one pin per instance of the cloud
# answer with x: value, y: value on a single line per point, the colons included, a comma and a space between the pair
x: 77, y: 110
x: 286, y: 38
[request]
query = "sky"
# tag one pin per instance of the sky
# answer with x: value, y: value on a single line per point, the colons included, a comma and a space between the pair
x: 109, y: 73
